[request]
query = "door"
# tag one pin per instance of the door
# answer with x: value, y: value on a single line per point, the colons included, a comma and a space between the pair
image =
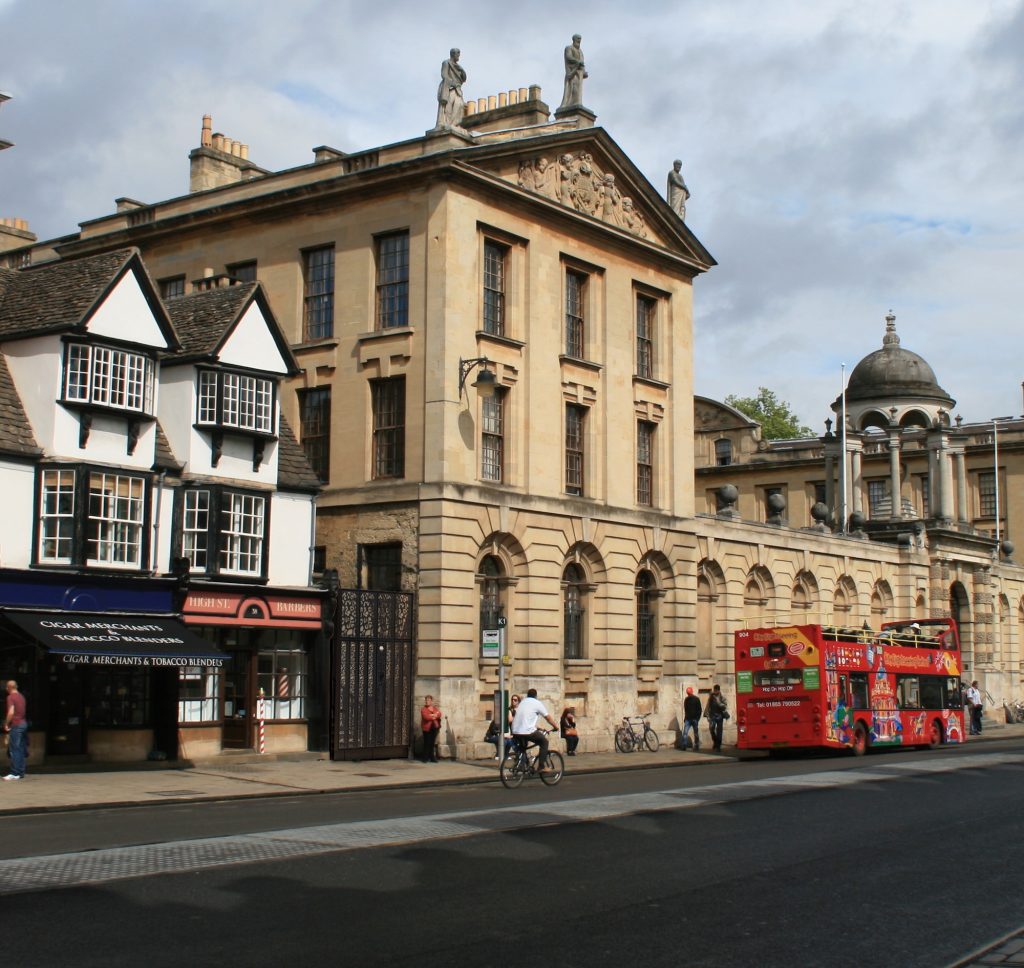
x: 238, y: 701
x: 65, y: 733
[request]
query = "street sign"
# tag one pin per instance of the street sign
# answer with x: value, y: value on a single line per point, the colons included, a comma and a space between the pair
x: 490, y: 643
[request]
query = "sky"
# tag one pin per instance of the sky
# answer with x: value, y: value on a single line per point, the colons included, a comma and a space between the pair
x: 845, y: 157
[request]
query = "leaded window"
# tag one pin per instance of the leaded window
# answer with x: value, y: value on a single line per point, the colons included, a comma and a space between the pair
x: 645, y: 318
x: 574, y: 454
x: 575, y: 291
x: 315, y: 429
x: 644, y: 463
x: 388, y: 427
x: 318, y: 300
x: 495, y: 256
x: 492, y: 437
x: 393, y: 280
x: 574, y: 612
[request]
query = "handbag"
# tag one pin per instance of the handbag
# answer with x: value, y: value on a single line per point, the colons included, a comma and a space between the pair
x: 571, y: 731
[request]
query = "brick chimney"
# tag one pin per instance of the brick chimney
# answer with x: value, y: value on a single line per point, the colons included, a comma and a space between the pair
x: 219, y: 161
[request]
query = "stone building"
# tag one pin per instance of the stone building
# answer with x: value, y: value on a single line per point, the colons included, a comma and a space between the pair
x: 493, y: 327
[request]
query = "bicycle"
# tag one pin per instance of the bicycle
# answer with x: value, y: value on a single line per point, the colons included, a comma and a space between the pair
x: 518, y: 764
x: 635, y: 733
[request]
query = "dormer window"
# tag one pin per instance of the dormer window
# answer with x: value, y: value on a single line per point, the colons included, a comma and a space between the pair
x: 105, y: 377
x: 236, y: 401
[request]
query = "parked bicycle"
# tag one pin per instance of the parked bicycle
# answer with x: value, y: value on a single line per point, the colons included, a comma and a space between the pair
x: 635, y: 733
x: 521, y: 761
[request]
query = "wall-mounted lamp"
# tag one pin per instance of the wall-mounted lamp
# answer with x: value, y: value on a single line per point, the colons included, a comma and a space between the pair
x: 485, y: 379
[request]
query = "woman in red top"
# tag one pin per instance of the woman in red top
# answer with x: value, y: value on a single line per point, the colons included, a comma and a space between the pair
x: 430, y: 722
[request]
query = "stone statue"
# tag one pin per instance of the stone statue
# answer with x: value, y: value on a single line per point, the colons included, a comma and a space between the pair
x: 575, y: 71
x: 678, y: 193
x: 451, y: 107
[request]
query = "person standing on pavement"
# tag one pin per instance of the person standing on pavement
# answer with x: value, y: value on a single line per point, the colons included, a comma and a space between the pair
x: 974, y: 702
x: 716, y: 711
x: 524, y: 727
x: 430, y: 722
x: 691, y: 719
x: 567, y: 727
x: 16, y: 727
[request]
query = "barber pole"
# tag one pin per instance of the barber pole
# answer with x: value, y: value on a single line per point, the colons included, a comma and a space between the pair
x: 261, y: 712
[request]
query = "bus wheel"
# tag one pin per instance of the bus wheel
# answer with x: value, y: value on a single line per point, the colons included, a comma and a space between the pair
x: 935, y: 736
x: 860, y: 741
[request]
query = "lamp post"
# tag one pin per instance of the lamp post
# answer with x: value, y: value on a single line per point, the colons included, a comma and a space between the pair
x: 485, y: 380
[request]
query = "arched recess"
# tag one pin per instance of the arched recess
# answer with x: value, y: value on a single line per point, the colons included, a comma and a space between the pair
x: 583, y: 574
x: 960, y: 612
x: 758, y: 596
x: 915, y: 418
x: 844, y: 602
x: 874, y: 419
x: 710, y: 608
x: 1001, y: 639
x: 921, y: 606
x: 804, y: 599
x: 649, y: 587
x: 881, y: 603
x: 500, y: 563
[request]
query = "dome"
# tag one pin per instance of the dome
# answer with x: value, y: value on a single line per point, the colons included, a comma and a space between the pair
x: 892, y: 373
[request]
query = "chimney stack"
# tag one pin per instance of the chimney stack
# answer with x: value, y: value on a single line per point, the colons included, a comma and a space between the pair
x: 219, y: 160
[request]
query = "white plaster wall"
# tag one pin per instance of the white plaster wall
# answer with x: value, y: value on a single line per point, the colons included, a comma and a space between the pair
x: 177, y: 408
x: 17, y: 485
x: 252, y: 345
x: 161, y: 516
x: 35, y: 366
x: 291, y: 517
x: 126, y: 315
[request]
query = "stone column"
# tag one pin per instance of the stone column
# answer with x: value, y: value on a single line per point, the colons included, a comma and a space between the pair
x: 856, y: 472
x: 896, y: 510
x: 961, y: 488
x: 946, y: 497
x: 830, y: 485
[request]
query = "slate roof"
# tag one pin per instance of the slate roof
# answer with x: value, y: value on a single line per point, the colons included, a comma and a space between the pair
x: 164, y: 457
x: 202, y: 319
x: 293, y: 470
x: 16, y: 435
x: 54, y: 296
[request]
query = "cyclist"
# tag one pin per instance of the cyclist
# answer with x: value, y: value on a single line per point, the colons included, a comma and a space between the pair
x: 524, y: 727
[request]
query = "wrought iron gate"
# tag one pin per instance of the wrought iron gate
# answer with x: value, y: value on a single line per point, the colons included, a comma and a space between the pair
x: 373, y: 667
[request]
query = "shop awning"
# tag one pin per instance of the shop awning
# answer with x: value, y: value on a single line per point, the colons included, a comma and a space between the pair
x: 102, y: 639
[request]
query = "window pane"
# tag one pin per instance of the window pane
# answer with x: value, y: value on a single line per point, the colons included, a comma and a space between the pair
x: 492, y: 443
x: 315, y: 429
x: 195, y: 532
x: 388, y: 427
x: 574, y: 417
x: 494, y: 288
x: 574, y: 322
x: 644, y: 463
x: 987, y: 494
x: 198, y: 695
x: 114, y: 528
x: 319, y: 293
x: 644, y: 337
x: 393, y: 280
x: 242, y: 534
x: 281, y: 674
x: 57, y: 519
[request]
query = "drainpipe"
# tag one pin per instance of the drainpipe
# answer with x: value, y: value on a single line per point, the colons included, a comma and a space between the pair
x: 154, y: 555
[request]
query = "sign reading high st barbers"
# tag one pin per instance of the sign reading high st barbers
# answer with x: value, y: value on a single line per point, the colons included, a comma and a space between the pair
x: 119, y: 640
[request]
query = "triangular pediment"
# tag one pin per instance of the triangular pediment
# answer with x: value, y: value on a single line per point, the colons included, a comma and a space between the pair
x: 589, y: 174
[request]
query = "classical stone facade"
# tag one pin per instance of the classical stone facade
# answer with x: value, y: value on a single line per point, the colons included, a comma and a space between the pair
x: 535, y: 251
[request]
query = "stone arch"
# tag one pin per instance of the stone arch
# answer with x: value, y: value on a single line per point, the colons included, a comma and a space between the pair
x: 921, y: 606
x: 710, y: 608
x: 804, y: 599
x: 583, y: 576
x: 758, y: 597
x: 916, y: 418
x: 844, y: 601
x: 960, y: 612
x: 500, y: 563
x: 881, y: 603
x: 873, y: 419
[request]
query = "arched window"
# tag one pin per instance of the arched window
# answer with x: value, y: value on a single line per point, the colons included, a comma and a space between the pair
x: 723, y: 451
x: 646, y: 615
x: 881, y: 603
x: 756, y: 598
x: 492, y: 592
x: 574, y: 603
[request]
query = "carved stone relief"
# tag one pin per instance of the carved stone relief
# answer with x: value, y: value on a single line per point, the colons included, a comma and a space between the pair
x: 575, y: 181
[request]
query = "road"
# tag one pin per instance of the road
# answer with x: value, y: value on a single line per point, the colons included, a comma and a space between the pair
x: 819, y: 861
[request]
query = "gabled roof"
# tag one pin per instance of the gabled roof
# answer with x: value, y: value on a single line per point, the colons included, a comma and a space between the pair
x: 16, y: 435
x: 293, y: 470
x: 57, y: 296
x: 205, y: 320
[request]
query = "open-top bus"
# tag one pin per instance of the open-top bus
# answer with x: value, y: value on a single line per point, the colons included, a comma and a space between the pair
x: 808, y: 686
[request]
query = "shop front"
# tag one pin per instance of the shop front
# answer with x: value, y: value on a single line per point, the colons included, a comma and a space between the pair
x: 274, y: 651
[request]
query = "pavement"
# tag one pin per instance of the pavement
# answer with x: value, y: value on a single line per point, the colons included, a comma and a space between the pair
x: 248, y: 775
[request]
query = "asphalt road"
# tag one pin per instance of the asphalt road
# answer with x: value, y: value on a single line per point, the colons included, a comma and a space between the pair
x: 861, y: 873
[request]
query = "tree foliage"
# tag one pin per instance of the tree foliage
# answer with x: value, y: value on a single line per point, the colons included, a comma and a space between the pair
x: 777, y: 421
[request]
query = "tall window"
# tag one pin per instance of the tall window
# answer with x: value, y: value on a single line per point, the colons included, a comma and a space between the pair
x: 575, y: 418
x: 223, y: 532
x: 492, y: 437
x: 114, y: 528
x: 646, y: 615
x: 393, y: 280
x: 315, y: 429
x: 644, y: 463
x: 172, y: 287
x: 319, y: 293
x: 242, y: 271
x: 723, y: 451
x: 236, y: 400
x: 492, y: 606
x: 645, y: 317
x: 381, y: 567
x: 876, y: 497
x: 106, y: 377
x: 574, y: 597
x: 57, y: 517
x: 987, y: 494
x: 575, y: 292
x: 495, y: 256
x: 388, y: 427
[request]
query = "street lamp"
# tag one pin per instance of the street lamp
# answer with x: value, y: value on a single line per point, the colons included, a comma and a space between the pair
x: 485, y: 379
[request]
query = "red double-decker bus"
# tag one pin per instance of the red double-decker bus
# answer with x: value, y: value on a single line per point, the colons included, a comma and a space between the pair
x: 807, y: 686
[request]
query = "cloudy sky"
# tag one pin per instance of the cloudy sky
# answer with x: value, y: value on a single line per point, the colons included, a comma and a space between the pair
x: 846, y: 157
